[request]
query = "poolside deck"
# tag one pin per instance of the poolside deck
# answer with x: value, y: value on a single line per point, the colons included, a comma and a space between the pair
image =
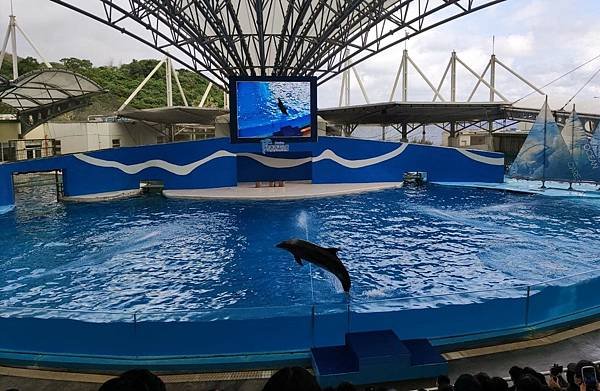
x: 553, y: 189
x: 290, y: 191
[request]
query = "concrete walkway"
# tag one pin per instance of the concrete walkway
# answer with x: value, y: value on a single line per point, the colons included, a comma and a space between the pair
x: 540, y: 358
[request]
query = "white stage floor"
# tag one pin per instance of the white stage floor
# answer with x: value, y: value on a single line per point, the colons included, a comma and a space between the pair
x: 291, y: 191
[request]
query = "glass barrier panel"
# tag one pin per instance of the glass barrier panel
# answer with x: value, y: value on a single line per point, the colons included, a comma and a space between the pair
x: 570, y: 296
x: 225, y: 331
x: 331, y: 323
x: 440, y: 316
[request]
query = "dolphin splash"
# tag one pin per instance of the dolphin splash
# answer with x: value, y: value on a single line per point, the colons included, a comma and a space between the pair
x: 325, y: 258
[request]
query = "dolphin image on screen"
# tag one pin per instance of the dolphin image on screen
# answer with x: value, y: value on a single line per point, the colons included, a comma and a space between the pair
x: 282, y: 106
x: 325, y: 258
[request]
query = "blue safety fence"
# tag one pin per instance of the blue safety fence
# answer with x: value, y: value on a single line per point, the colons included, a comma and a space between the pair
x: 251, y: 337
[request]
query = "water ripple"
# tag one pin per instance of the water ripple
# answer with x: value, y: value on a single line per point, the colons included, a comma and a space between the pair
x: 152, y: 254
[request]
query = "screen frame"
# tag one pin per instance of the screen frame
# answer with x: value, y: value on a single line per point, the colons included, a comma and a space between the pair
x: 233, y: 113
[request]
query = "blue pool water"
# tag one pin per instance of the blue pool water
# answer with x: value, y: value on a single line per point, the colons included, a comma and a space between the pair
x: 154, y: 254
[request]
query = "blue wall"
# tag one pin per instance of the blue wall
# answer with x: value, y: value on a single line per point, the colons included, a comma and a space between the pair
x: 246, y: 337
x: 192, y: 165
x: 250, y: 170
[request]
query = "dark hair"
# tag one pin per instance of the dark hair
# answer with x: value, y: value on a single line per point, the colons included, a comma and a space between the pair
x: 530, y: 371
x: 484, y: 380
x: 515, y: 373
x: 345, y: 386
x: 528, y: 382
x: 466, y: 382
x: 498, y: 384
x: 292, y: 379
x: 570, y: 377
x: 134, y: 380
x: 443, y: 380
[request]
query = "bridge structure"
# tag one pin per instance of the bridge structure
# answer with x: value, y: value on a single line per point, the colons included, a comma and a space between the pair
x: 445, y: 110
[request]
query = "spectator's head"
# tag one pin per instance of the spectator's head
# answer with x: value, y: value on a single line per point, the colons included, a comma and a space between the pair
x: 292, y: 379
x: 134, y: 380
x: 530, y: 371
x: 345, y: 386
x: 528, y: 382
x: 515, y: 373
x: 579, y: 366
x: 466, y: 382
x: 443, y: 381
x: 498, y: 384
x: 570, y: 373
x: 484, y: 380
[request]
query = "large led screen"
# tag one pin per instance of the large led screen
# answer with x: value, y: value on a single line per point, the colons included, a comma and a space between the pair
x: 273, y: 108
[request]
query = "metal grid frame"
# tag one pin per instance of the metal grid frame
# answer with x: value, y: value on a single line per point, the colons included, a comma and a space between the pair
x: 38, y: 100
x: 219, y: 38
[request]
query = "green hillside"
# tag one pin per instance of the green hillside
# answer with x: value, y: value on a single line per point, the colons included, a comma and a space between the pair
x: 120, y: 81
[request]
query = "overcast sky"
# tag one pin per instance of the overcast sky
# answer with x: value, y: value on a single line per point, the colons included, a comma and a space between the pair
x: 539, y: 39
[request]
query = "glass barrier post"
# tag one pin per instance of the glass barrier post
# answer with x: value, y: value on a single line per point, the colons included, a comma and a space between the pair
x: 312, y: 325
x: 348, y: 312
x: 527, y: 306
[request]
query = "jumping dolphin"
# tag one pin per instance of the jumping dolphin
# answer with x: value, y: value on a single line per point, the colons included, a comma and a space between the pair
x: 326, y: 258
x: 281, y: 106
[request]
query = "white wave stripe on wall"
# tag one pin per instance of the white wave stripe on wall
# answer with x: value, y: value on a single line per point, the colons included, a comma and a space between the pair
x: 267, y: 161
x: 155, y: 163
x: 274, y: 162
x: 495, y: 161
x: 325, y: 155
x: 328, y: 154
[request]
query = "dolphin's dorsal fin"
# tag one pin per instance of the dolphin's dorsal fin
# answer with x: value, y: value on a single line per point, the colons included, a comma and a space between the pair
x: 298, y: 259
x: 333, y: 250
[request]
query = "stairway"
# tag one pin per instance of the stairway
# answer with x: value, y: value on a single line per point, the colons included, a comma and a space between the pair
x: 376, y: 357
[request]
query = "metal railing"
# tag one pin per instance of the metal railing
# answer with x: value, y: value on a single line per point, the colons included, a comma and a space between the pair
x: 15, y: 150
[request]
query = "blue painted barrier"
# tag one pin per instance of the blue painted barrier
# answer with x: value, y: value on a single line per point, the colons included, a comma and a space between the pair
x: 244, y: 338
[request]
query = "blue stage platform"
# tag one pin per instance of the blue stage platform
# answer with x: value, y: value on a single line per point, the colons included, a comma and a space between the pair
x: 376, y: 357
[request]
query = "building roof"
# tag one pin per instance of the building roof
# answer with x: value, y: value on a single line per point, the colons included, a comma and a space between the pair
x: 413, y: 112
x: 41, y: 95
x: 47, y: 87
x: 176, y: 115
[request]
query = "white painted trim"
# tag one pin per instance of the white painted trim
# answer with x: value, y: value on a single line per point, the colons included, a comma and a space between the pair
x: 135, y: 168
x: 328, y: 154
x: 495, y: 161
x: 274, y: 162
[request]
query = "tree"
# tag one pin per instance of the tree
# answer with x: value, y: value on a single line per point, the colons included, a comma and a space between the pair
x: 77, y: 65
x: 29, y: 64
